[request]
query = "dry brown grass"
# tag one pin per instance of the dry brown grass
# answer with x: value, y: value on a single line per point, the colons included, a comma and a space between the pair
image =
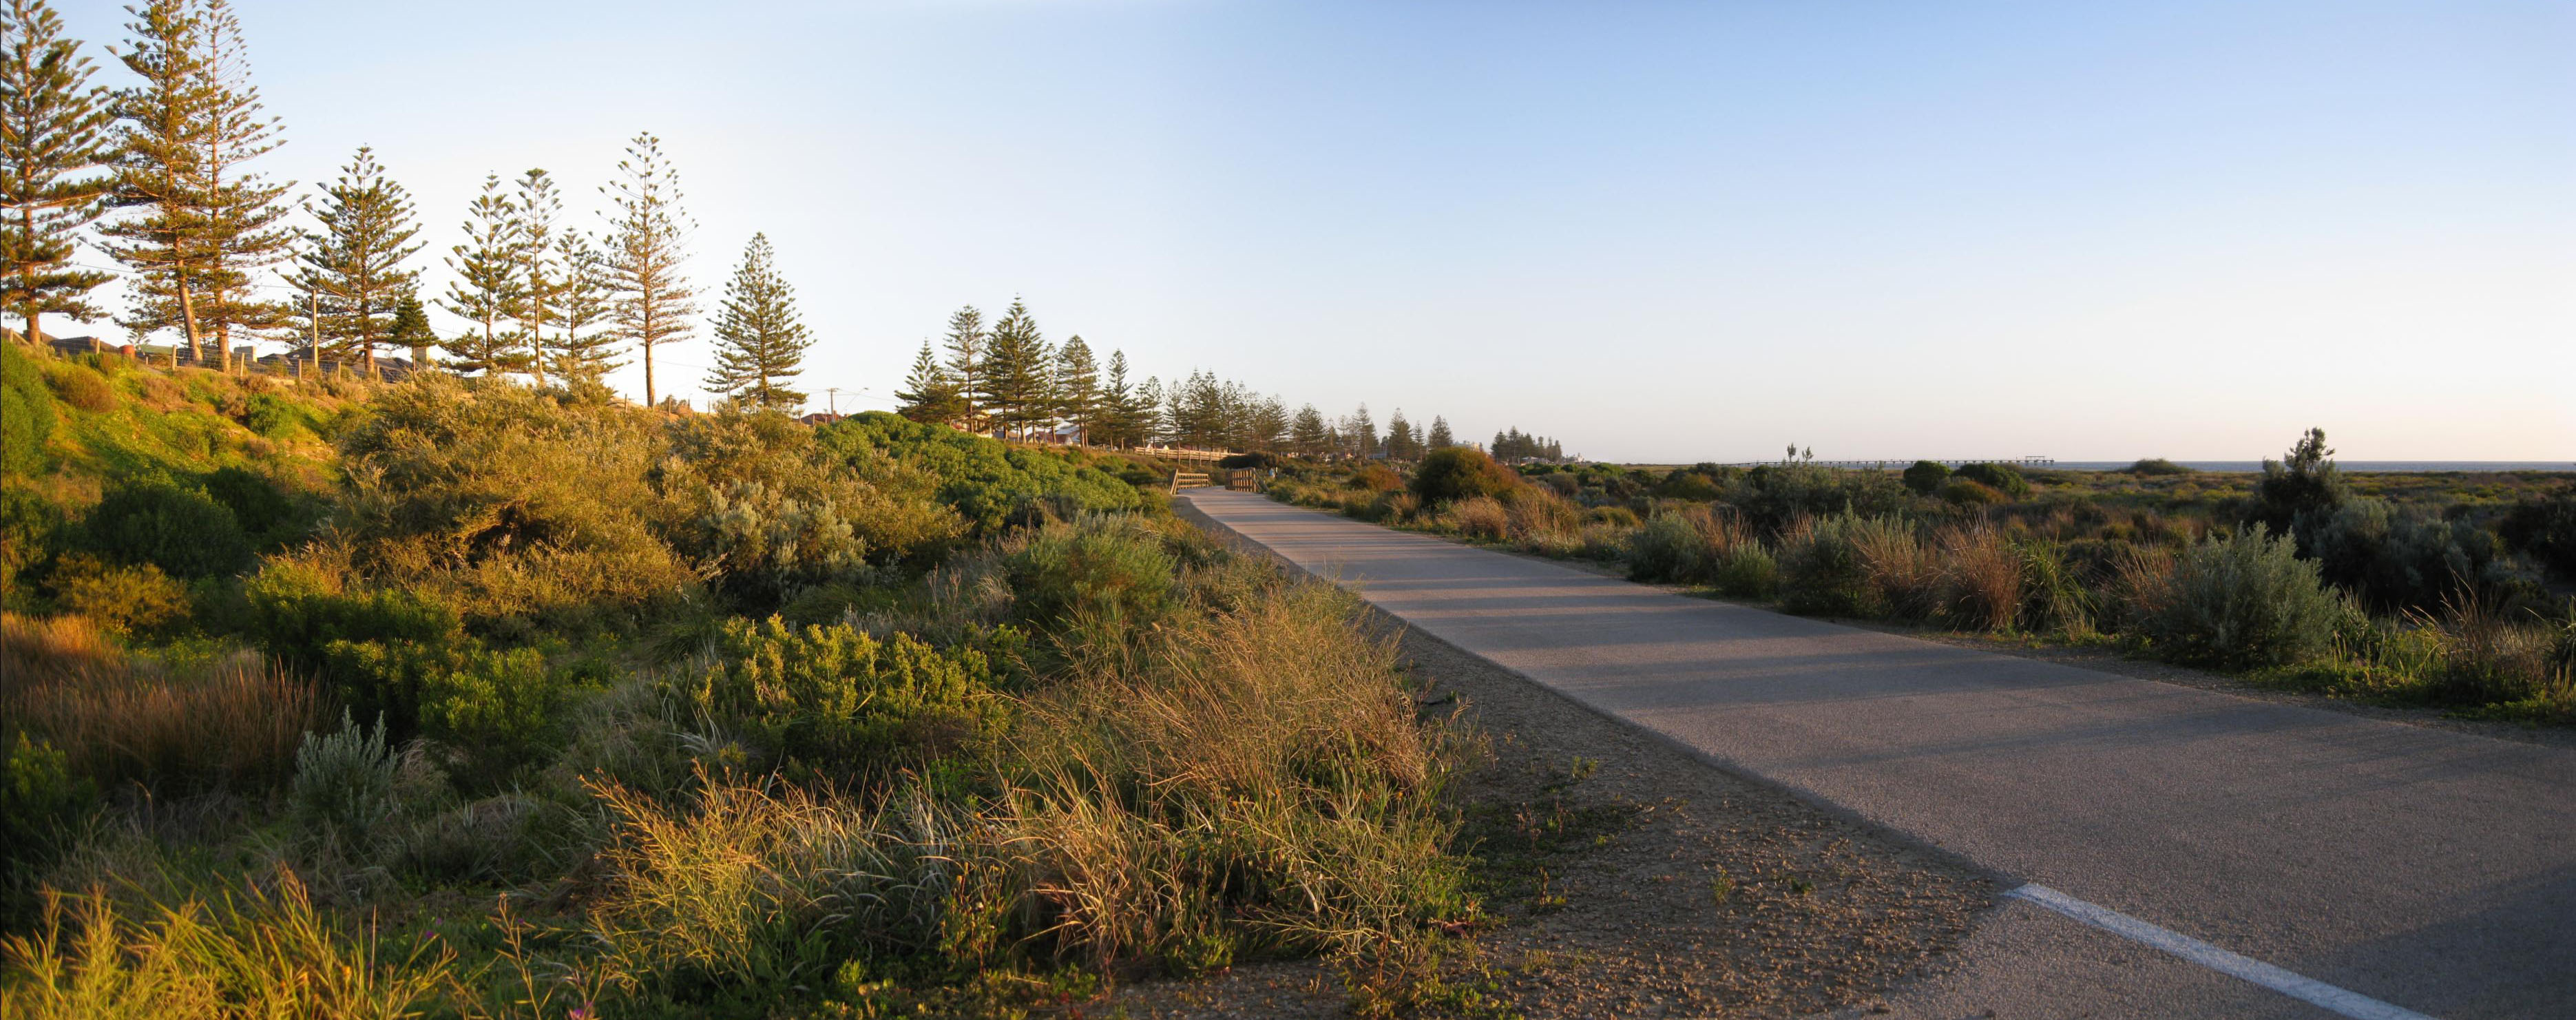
x: 1981, y: 578
x: 1480, y: 517
x: 235, y: 724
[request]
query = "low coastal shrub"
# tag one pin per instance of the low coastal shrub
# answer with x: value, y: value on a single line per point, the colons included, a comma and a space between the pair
x: 836, y: 701
x: 1925, y: 476
x: 1103, y: 570
x: 2238, y: 600
x: 1461, y: 472
x: 182, y: 531
x: 2543, y: 526
x: 2003, y: 478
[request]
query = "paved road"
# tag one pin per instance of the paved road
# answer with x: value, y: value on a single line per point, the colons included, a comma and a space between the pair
x: 2430, y: 870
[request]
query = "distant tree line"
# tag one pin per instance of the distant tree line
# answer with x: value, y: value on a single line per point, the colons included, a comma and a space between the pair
x: 1007, y: 378
x: 161, y: 174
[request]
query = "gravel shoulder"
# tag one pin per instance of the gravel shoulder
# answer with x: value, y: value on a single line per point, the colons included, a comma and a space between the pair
x: 1629, y: 877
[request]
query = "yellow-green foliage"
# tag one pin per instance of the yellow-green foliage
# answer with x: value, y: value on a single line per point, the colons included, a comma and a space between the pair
x: 254, y: 954
x: 766, y: 508
x: 119, y: 421
x: 838, y: 700
x: 507, y: 502
x: 1105, y: 571
x: 119, y: 598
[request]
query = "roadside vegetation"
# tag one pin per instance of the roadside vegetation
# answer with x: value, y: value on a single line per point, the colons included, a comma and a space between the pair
x: 466, y: 698
x: 2447, y: 591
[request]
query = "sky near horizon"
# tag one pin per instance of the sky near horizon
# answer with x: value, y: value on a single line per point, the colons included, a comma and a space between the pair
x: 1659, y: 232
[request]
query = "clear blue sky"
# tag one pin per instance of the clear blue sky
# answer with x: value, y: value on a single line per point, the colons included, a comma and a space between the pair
x: 1662, y: 232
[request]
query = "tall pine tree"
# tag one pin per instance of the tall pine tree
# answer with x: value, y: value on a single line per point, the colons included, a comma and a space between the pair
x: 53, y: 147
x: 581, y: 349
x: 1077, y: 387
x: 411, y: 329
x: 760, y: 341
x: 488, y: 290
x: 1399, y: 436
x: 1440, y: 439
x: 966, y: 341
x: 1016, y: 372
x: 1307, y: 434
x: 207, y: 222
x: 538, y: 263
x: 1266, y: 424
x: 648, y: 239
x: 1360, y: 431
x: 930, y: 393
x: 1122, y: 411
x: 352, y: 270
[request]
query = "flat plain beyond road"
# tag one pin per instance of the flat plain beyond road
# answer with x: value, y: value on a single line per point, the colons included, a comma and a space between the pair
x: 2431, y: 870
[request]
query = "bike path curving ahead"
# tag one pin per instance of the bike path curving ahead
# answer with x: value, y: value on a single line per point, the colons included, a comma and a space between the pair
x: 2172, y: 851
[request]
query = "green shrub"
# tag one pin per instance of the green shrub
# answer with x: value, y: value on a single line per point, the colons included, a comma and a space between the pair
x: 1613, y: 516
x: 987, y: 482
x: 1461, y: 472
x: 1926, y: 476
x: 118, y: 598
x: 1970, y: 492
x: 521, y: 508
x: 770, y: 510
x: 1376, y: 478
x: 840, y: 701
x: 1098, y: 571
x: 41, y: 803
x: 1747, y: 571
x: 2157, y: 466
x: 2299, y: 488
x: 1772, y: 497
x: 2408, y: 558
x: 2544, y: 528
x: 268, y: 515
x: 344, y: 783
x: 26, y: 414
x: 1825, y: 566
x: 182, y: 531
x: 1699, y: 483
x: 499, y: 839
x: 2054, y: 598
x: 2238, y: 600
x: 1665, y: 549
x: 81, y: 387
x: 1999, y: 477
x: 271, y: 415
x: 498, y: 709
x: 298, y: 610
x: 29, y: 524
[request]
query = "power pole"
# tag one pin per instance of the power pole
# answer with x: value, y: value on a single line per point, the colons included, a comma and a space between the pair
x: 832, y: 400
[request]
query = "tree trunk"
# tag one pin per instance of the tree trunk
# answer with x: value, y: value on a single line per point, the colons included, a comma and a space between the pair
x: 188, y: 317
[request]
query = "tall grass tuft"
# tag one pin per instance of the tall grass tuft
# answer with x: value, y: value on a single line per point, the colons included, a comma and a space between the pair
x: 265, y: 954
x: 1982, y: 579
x: 1479, y: 517
x: 234, y: 724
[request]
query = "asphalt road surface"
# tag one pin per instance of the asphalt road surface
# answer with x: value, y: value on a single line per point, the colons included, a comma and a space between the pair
x: 2188, y: 852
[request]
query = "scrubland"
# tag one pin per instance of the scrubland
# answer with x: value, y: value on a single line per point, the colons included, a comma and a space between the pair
x: 2441, y: 591
x: 471, y: 699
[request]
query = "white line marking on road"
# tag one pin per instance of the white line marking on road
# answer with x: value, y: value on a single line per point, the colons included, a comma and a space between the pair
x: 2308, y: 990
